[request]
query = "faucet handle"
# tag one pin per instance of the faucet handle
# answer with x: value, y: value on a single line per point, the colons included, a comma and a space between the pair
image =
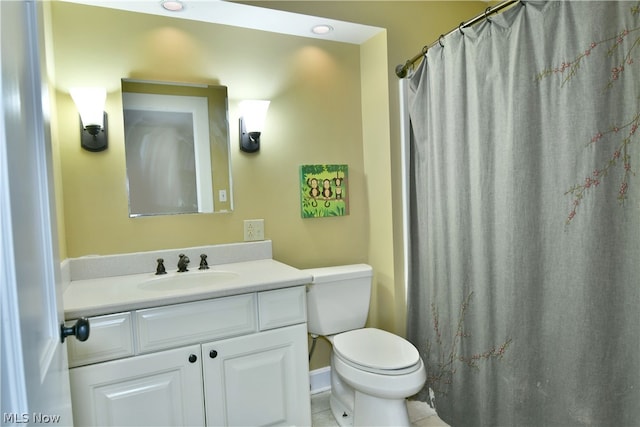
x: 203, y: 263
x: 160, y: 268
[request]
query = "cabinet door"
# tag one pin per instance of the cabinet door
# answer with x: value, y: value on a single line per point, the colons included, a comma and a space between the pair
x: 258, y: 380
x: 160, y: 389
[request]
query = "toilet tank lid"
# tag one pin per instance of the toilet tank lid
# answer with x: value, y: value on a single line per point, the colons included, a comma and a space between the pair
x: 339, y: 272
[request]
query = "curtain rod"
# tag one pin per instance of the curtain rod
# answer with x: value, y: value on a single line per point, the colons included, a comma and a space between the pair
x: 402, y: 69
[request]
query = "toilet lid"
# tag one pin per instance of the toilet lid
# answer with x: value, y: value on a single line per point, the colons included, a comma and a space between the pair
x: 376, y: 349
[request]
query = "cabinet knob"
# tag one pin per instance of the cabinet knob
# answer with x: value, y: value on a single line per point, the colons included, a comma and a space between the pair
x: 193, y: 358
x: 213, y: 354
x: 80, y: 330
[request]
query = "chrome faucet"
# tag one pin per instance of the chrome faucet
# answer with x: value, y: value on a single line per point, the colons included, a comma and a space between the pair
x: 183, y: 263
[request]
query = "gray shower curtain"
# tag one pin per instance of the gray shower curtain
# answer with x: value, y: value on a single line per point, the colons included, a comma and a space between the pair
x: 524, y: 294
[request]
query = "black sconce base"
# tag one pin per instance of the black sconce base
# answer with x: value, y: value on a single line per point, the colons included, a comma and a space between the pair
x: 94, y: 139
x: 249, y: 141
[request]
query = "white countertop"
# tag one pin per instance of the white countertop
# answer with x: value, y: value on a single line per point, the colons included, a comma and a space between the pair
x: 92, y: 297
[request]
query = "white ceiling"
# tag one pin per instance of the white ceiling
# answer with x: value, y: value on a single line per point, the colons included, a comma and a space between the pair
x: 240, y: 15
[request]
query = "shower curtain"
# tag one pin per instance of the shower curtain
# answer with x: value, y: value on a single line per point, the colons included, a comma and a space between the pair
x: 524, y: 296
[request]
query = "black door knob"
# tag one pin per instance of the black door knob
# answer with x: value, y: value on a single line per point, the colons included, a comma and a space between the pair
x: 213, y: 354
x: 80, y: 330
x: 193, y: 358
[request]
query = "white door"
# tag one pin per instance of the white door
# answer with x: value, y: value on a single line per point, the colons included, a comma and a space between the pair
x: 35, y: 379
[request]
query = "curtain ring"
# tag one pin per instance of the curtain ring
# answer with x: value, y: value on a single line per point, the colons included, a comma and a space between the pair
x: 425, y: 49
x: 440, y: 40
x: 486, y: 12
x: 460, y: 28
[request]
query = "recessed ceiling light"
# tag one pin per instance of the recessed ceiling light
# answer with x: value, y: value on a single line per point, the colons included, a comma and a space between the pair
x: 322, y: 29
x: 172, y: 5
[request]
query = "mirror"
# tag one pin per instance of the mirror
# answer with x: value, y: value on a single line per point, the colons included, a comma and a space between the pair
x: 176, y: 148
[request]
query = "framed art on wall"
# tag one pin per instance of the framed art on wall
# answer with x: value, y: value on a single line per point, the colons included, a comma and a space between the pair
x: 324, y: 191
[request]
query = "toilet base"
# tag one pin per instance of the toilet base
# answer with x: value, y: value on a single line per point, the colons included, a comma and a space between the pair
x: 374, y: 411
x: 370, y: 411
x: 342, y: 414
x: 341, y: 400
x: 351, y: 407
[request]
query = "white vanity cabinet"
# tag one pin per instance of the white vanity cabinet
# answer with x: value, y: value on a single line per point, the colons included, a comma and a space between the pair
x: 237, y: 360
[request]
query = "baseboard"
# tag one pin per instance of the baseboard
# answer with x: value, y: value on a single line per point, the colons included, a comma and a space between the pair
x: 320, y: 380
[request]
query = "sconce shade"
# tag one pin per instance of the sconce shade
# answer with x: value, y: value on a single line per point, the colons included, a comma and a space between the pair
x: 252, y: 117
x: 90, y: 104
x: 254, y: 113
x: 93, y: 120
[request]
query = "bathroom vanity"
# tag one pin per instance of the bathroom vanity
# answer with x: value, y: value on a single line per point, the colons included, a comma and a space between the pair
x: 223, y: 346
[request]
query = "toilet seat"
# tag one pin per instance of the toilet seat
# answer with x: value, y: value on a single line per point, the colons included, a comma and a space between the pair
x: 377, y: 351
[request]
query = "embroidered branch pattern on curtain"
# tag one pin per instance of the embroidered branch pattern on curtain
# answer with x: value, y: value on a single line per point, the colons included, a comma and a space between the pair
x: 449, y: 356
x: 621, y: 136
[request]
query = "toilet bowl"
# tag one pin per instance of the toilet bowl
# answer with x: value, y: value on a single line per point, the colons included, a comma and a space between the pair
x: 372, y: 371
x: 379, y: 370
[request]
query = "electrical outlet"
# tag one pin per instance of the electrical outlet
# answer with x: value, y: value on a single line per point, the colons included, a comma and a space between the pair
x: 222, y: 195
x: 253, y: 230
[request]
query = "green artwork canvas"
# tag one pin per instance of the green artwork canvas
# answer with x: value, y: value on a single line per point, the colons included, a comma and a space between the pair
x: 323, y: 190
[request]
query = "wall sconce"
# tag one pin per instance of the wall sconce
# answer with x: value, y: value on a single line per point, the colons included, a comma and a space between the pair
x: 93, y: 120
x: 252, y: 115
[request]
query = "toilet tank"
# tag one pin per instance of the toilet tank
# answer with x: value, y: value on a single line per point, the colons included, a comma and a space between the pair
x: 338, y: 298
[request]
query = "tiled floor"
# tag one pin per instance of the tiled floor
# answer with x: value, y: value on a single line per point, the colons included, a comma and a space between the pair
x: 420, y: 414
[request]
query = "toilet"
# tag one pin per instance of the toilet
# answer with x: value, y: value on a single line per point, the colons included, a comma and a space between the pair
x: 372, y: 371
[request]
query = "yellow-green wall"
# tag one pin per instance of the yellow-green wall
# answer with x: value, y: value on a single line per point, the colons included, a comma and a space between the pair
x: 310, y: 84
x: 331, y: 103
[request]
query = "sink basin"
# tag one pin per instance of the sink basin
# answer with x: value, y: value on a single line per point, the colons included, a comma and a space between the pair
x: 187, y: 280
